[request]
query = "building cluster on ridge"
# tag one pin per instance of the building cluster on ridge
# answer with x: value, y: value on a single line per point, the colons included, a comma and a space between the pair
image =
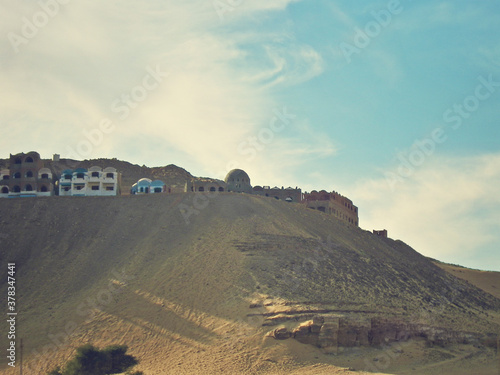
x: 27, y: 177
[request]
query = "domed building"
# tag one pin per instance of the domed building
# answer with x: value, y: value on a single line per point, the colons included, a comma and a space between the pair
x: 238, y: 181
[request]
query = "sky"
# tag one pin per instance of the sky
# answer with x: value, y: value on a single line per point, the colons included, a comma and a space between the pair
x: 394, y: 104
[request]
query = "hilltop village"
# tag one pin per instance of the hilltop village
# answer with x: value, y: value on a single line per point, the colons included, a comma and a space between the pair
x: 27, y: 176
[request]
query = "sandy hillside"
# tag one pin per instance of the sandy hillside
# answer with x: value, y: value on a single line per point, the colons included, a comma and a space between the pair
x: 199, y: 296
x: 489, y: 281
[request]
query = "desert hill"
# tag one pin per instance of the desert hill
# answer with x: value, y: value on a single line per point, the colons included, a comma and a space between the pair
x: 489, y: 281
x: 234, y: 284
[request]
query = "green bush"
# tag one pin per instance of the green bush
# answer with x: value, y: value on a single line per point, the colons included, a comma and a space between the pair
x: 119, y: 360
x: 56, y: 371
x: 89, y: 360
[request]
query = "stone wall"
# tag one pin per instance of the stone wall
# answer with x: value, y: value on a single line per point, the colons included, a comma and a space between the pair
x: 334, y: 204
x: 333, y: 332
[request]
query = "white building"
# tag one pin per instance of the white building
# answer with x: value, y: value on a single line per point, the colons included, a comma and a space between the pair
x: 146, y: 186
x: 92, y: 182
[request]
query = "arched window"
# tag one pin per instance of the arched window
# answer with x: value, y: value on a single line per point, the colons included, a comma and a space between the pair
x: 5, y: 190
x: 44, y: 189
x: 201, y: 188
x: 213, y: 188
x: 29, y: 174
x: 221, y: 189
x: 17, y: 175
x: 16, y: 189
x: 45, y: 175
x: 28, y: 188
x: 29, y: 159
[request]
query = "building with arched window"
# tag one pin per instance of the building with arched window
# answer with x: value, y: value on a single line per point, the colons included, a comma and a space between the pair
x: 146, y: 186
x: 26, y: 177
x: 202, y: 185
x: 4, y: 183
x: 334, y: 204
x: 288, y: 194
x: 90, y: 182
x: 238, y: 181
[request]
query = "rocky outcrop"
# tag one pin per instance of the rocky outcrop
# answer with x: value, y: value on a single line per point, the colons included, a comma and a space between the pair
x: 332, y: 332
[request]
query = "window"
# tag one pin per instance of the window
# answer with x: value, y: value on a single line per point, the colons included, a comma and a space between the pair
x: 5, y: 190
x: 158, y: 190
x: 95, y: 187
x: 110, y: 188
x: 16, y: 189
x: 28, y: 188
x: 17, y: 175
x: 221, y: 189
x: 79, y: 187
x: 66, y: 188
x: 18, y: 161
x: 80, y: 175
x: 29, y: 174
x: 95, y: 174
x: 110, y: 175
x: 201, y: 188
x: 67, y: 177
x: 213, y: 188
x: 44, y: 189
x: 6, y: 177
x: 45, y: 175
x: 29, y: 159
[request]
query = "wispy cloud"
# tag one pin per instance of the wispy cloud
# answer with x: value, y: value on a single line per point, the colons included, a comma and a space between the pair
x: 447, y: 210
x: 88, y: 60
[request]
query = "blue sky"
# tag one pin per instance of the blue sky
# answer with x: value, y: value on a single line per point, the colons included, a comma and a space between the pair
x: 392, y: 103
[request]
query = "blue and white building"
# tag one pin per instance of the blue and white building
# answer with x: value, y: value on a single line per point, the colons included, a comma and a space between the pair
x: 92, y: 182
x: 147, y: 186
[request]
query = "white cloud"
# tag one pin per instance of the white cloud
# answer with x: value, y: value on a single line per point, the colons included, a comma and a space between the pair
x: 82, y: 65
x: 448, y: 209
